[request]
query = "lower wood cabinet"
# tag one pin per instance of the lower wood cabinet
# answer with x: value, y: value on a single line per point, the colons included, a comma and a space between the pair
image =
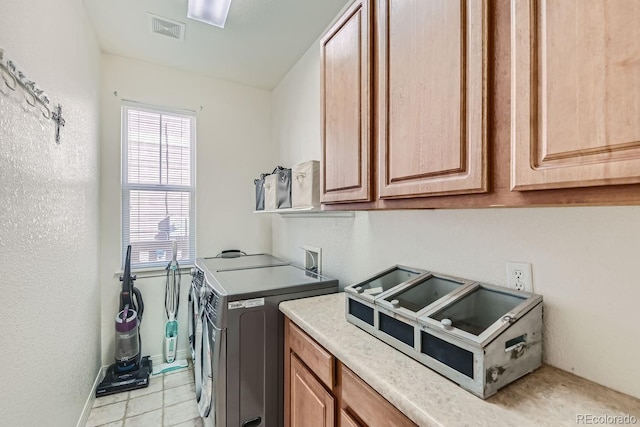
x: 311, y: 404
x: 367, y: 404
x: 347, y: 420
x: 321, y: 391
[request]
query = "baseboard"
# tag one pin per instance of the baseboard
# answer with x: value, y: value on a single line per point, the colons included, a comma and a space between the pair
x: 86, y: 411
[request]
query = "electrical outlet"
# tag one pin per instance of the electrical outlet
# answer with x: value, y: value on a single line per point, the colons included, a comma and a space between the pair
x: 312, y: 259
x: 519, y: 276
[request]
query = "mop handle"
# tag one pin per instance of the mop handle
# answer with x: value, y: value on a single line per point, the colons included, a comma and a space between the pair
x: 172, y: 290
x: 175, y: 253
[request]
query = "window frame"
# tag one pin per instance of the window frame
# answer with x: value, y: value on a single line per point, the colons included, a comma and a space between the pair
x: 126, y: 188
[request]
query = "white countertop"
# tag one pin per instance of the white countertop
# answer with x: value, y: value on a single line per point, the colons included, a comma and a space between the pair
x: 546, y: 397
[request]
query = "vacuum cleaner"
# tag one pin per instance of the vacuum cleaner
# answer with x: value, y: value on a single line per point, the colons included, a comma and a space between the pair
x: 130, y: 371
x: 171, y: 305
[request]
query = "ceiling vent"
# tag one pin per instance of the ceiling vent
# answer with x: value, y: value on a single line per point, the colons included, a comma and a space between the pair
x: 166, y: 27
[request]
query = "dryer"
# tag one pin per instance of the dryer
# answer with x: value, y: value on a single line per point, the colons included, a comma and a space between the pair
x: 243, y: 339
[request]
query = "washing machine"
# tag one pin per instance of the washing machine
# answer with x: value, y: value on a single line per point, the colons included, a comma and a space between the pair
x: 243, y: 338
x: 227, y: 260
x: 194, y: 309
x: 195, y: 321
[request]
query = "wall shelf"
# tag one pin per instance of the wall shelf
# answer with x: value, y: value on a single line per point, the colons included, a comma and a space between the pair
x: 308, y: 212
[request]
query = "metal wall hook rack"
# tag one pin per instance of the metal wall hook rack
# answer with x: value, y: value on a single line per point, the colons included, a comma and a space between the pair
x: 33, y: 95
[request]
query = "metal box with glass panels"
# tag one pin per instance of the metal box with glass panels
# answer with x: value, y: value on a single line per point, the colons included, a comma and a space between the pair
x: 360, y: 298
x: 399, y: 308
x: 480, y: 336
x: 483, y: 338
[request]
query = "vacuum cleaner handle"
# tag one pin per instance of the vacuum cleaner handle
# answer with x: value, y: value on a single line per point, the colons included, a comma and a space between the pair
x: 127, y: 283
x: 139, y: 306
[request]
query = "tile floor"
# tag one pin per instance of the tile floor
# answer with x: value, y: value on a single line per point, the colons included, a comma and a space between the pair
x: 169, y: 400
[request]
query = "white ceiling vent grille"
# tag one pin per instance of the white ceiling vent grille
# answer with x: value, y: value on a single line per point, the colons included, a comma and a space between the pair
x: 166, y: 27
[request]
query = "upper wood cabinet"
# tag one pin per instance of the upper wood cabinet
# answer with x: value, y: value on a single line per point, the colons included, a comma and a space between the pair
x: 475, y: 100
x: 345, y: 58
x: 429, y: 64
x: 575, y: 87
x: 431, y: 100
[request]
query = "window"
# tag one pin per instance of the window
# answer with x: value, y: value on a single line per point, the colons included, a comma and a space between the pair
x: 158, y: 184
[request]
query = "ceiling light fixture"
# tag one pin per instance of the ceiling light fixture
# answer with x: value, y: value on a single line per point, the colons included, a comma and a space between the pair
x: 213, y: 12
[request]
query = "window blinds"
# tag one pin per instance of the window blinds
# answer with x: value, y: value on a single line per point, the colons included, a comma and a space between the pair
x: 158, y: 185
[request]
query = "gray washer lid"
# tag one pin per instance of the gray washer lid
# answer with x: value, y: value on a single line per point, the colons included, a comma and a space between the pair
x: 268, y: 281
x: 214, y: 264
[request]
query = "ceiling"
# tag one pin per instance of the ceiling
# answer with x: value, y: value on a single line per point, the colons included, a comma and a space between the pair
x: 261, y: 41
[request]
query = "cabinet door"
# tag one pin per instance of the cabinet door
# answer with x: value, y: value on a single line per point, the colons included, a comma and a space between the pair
x: 346, y: 108
x: 347, y: 420
x: 311, y: 404
x: 431, y: 98
x: 575, y: 85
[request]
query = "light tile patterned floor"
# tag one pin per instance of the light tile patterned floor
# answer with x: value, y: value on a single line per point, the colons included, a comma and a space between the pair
x: 168, y: 401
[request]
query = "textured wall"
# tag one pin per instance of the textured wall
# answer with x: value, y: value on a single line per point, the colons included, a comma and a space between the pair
x: 582, y: 258
x: 232, y: 147
x: 49, y: 218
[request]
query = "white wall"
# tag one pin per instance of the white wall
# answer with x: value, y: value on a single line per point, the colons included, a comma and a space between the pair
x: 583, y: 258
x: 49, y: 218
x: 233, y: 146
